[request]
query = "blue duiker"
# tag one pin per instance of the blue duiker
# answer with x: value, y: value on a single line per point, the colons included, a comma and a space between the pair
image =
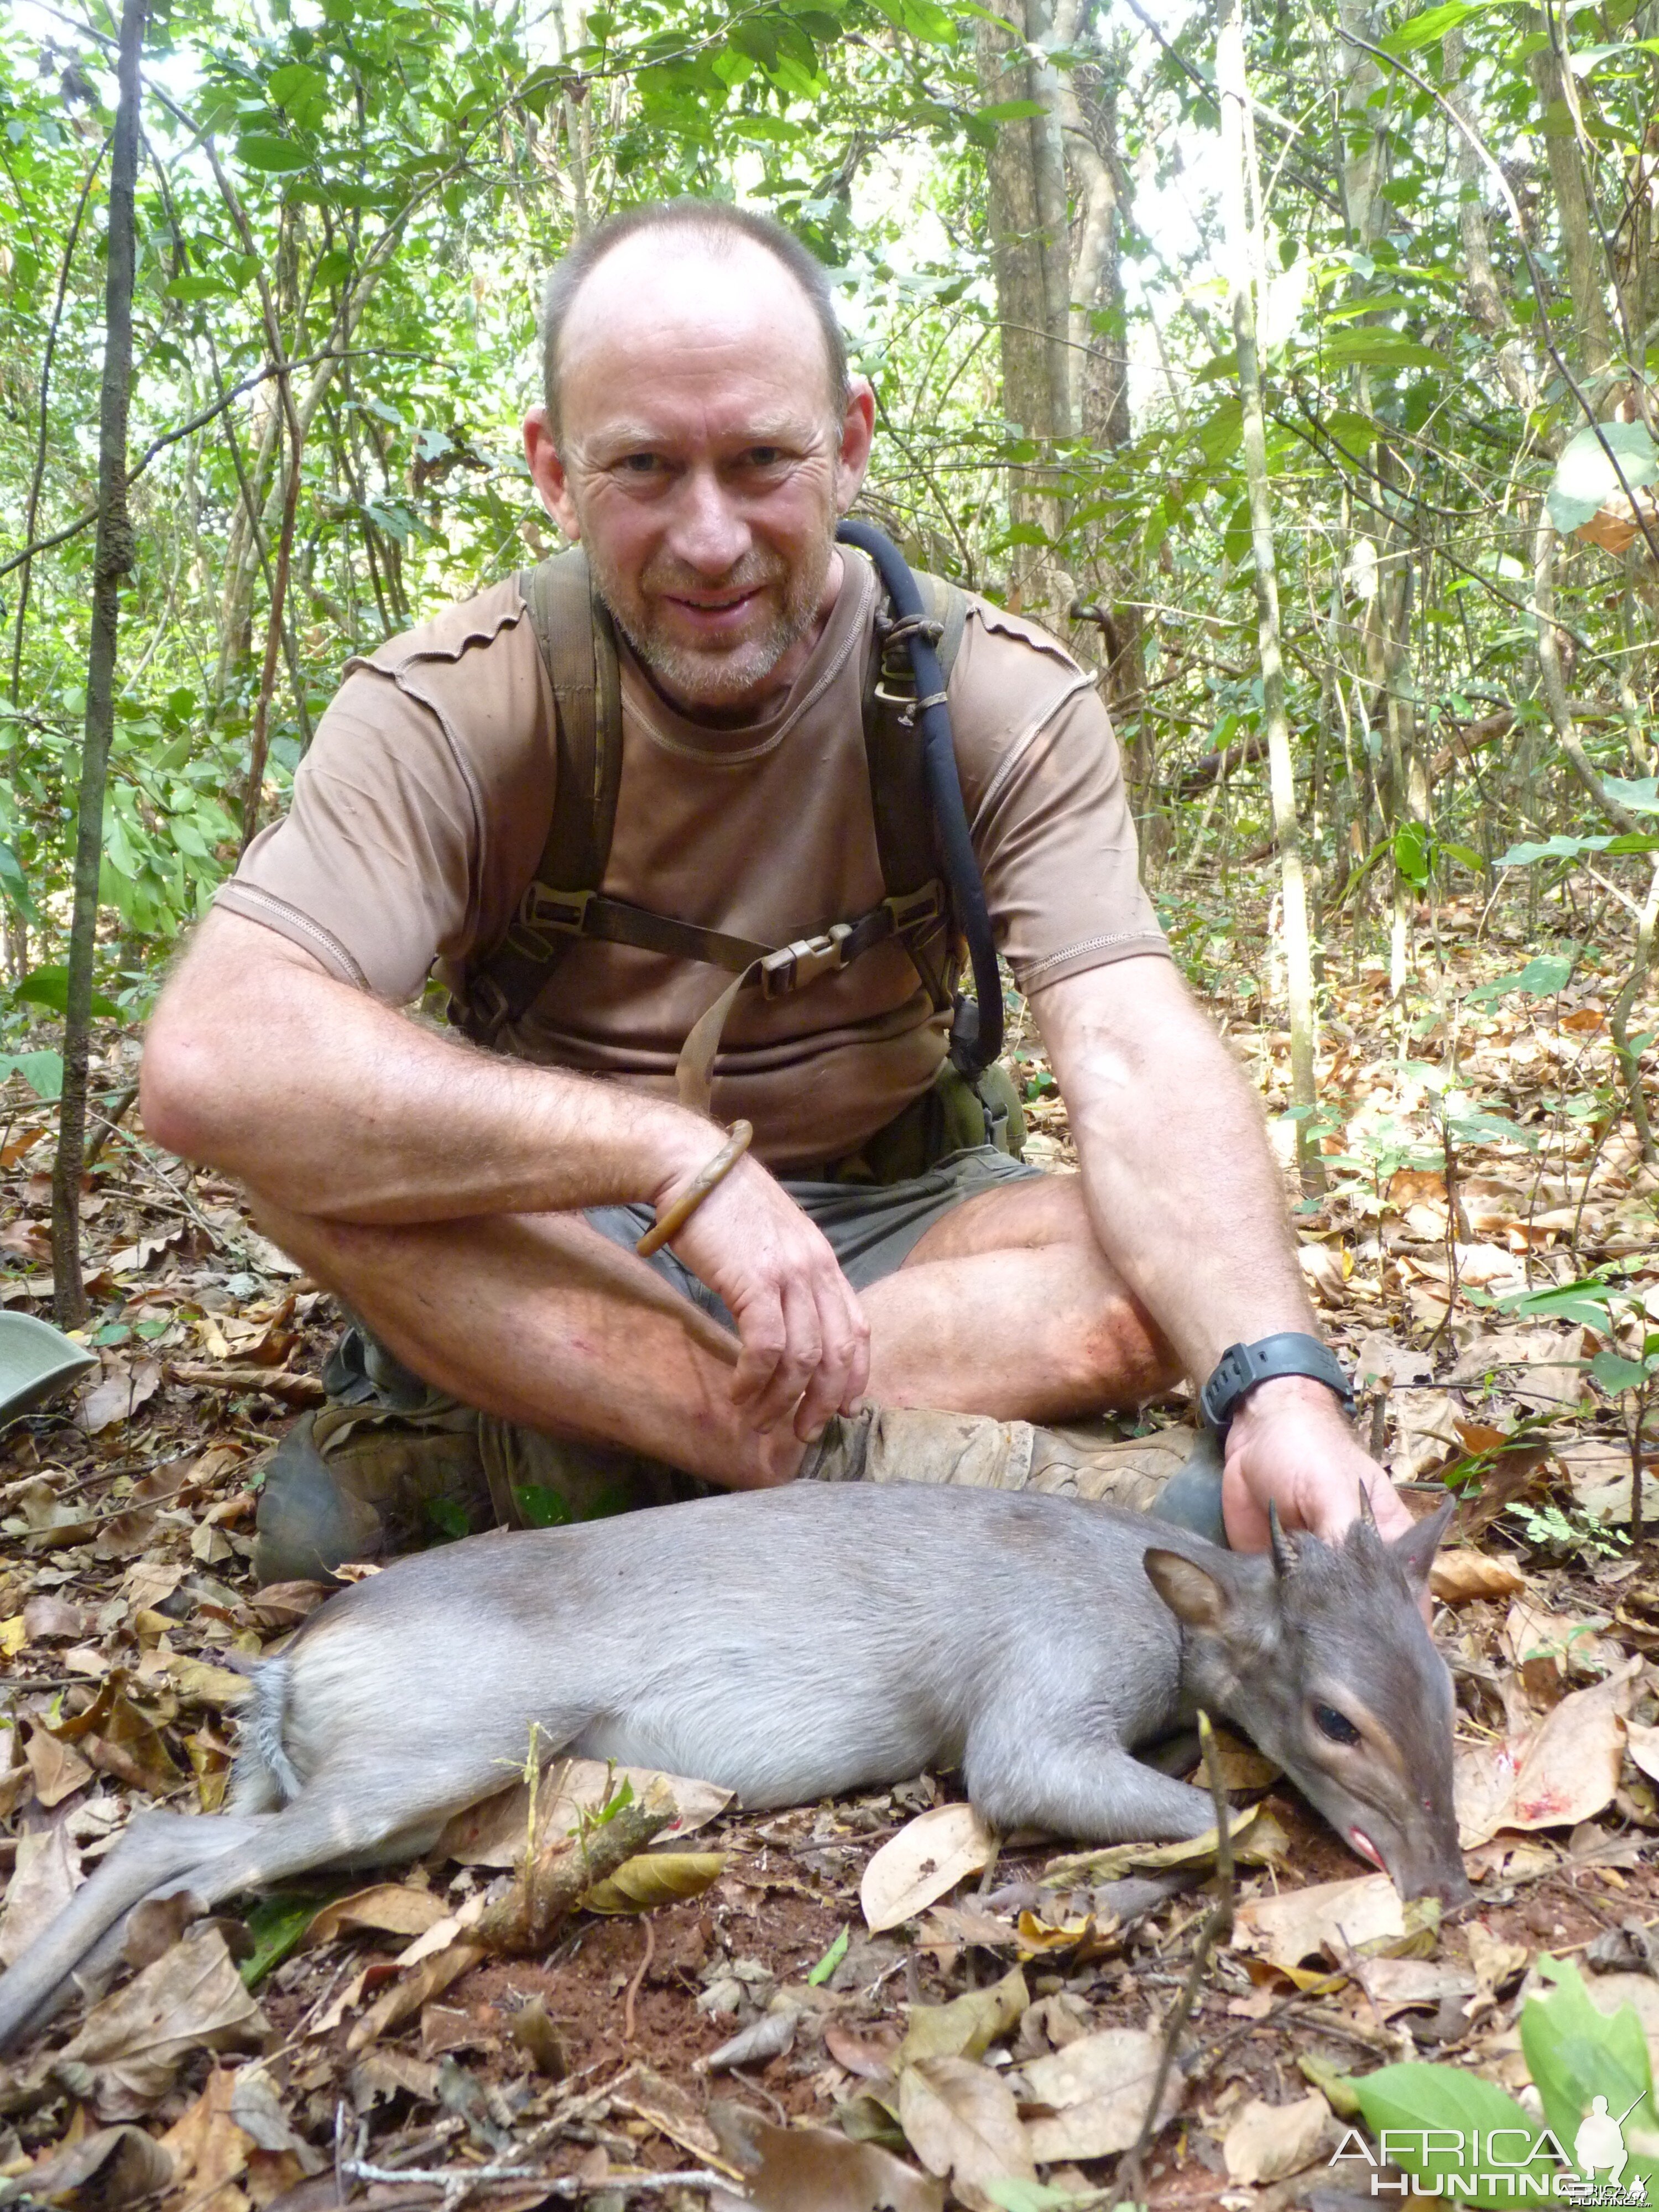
x: 793, y: 1643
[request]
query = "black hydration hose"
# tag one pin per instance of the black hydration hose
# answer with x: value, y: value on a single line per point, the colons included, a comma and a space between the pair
x: 976, y: 1031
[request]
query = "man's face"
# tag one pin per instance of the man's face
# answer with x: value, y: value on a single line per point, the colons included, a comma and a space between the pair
x: 702, y: 462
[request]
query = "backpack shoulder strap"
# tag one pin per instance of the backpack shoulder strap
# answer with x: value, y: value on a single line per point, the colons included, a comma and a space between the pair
x: 899, y: 800
x: 578, y: 645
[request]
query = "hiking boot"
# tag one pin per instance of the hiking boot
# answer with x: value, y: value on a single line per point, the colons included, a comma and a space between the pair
x: 1079, y: 1459
x: 393, y: 1466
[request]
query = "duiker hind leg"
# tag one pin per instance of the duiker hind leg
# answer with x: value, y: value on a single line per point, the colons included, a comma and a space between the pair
x: 340, y: 1818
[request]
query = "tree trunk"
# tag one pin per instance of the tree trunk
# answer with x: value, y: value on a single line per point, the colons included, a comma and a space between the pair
x: 1239, y: 189
x: 1580, y: 247
x: 1020, y: 172
x: 114, y: 560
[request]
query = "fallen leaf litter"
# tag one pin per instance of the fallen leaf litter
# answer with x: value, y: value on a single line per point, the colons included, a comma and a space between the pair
x: 920, y: 2019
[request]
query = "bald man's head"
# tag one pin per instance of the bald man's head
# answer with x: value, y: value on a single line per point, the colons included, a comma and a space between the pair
x: 712, y: 226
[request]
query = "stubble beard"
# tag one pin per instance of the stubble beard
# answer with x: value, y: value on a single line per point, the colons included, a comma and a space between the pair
x: 715, y: 677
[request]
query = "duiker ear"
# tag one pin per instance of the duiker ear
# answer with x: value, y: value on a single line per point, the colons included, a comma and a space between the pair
x: 1415, y: 1551
x: 1191, y: 1592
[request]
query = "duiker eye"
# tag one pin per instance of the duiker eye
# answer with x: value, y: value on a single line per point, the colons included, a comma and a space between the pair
x: 1336, y: 1725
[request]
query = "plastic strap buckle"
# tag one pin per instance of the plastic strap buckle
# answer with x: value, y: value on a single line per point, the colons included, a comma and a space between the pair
x: 792, y: 965
x: 542, y: 908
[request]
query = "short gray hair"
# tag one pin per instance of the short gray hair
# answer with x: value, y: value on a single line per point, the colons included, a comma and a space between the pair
x: 716, y: 223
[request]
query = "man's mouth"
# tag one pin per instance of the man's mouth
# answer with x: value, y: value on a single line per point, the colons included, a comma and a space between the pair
x: 713, y: 613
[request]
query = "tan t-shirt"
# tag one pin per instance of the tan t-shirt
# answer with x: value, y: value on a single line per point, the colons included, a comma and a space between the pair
x: 420, y: 811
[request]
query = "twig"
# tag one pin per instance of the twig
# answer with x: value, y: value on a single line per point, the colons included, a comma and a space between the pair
x: 640, y: 1973
x: 1217, y: 1928
x: 451, y: 2177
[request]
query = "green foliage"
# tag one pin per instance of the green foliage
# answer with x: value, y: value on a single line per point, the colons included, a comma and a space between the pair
x: 1575, y: 2053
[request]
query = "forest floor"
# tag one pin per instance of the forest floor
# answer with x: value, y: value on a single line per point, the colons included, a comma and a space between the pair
x: 1011, y: 2019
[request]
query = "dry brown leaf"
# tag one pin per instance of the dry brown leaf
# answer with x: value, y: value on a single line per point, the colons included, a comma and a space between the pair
x: 1458, y: 1576
x: 967, y: 2026
x: 493, y: 1833
x: 928, y: 1857
x: 125, y: 2163
x: 120, y: 1396
x: 962, y: 2122
x: 1330, y: 1918
x: 1099, y: 2087
x: 58, y: 1769
x: 1267, y: 2143
x: 1396, y: 1984
x: 871, y: 2062
x: 1566, y: 1771
x: 126, y: 2054
x: 811, y: 2170
x: 670, y: 2110
x: 208, y: 2150
x: 1643, y: 1744
x: 42, y: 1883
x: 390, y: 1908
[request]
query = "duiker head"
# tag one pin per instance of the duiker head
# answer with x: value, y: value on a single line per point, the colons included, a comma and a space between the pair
x: 1323, y: 1657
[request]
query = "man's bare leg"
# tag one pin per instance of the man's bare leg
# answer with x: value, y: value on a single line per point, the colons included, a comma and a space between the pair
x: 1008, y: 1307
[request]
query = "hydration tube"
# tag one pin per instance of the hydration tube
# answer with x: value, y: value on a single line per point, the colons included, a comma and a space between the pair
x: 976, y: 1024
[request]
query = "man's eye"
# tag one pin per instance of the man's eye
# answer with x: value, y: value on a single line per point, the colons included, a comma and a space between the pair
x: 764, y: 457
x: 639, y: 464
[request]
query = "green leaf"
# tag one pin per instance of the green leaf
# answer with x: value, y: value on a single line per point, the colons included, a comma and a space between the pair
x: 1615, y: 1374
x: 1382, y: 349
x: 1553, y: 849
x: 1410, y: 2100
x: 49, y: 987
x: 262, y: 150
x: 831, y: 1959
x: 1429, y: 27
x: 1639, y: 797
x: 13, y: 883
x: 1585, y: 478
x: 1466, y: 856
x: 277, y: 1923
x: 1576, y: 2053
x: 1219, y: 437
x: 540, y: 1507
x: 1410, y: 852
x: 43, y: 1072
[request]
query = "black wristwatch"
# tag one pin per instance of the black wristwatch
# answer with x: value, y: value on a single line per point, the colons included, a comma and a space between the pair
x: 1241, y: 1366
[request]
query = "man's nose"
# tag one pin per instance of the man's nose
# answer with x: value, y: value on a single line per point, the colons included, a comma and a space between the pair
x: 710, y: 533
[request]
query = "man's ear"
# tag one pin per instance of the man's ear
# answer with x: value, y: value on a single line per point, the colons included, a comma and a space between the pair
x: 857, y: 432
x: 1415, y: 1550
x: 547, y: 472
x: 1192, y: 1593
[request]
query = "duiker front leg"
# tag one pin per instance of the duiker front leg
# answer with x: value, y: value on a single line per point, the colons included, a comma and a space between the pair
x: 1095, y: 1790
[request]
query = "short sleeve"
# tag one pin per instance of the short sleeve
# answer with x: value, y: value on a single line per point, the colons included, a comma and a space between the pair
x: 1042, y: 781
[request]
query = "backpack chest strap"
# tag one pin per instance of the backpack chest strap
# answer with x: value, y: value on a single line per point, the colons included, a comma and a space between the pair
x: 548, y: 919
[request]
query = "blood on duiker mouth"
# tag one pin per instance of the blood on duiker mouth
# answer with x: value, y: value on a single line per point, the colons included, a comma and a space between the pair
x: 1366, y: 1849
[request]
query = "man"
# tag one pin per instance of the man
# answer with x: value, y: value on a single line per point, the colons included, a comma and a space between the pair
x: 700, y: 438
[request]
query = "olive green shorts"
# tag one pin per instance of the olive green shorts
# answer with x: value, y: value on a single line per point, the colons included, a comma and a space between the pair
x: 872, y: 1228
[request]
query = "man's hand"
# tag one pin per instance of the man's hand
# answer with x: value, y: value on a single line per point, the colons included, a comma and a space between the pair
x: 1288, y: 1443
x: 806, y: 1342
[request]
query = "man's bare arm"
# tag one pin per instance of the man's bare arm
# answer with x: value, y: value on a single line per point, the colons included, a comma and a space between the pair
x: 1188, y: 1204
x: 333, y: 1105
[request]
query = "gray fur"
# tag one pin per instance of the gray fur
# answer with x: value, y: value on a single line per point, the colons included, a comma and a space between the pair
x: 792, y: 1644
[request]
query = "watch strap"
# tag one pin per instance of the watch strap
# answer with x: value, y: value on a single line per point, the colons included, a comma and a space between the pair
x: 1241, y: 1366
